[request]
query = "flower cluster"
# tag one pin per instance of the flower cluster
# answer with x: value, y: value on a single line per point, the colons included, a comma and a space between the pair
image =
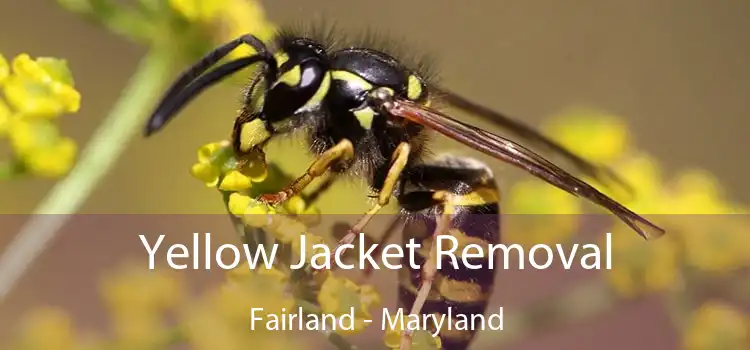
x: 240, y: 180
x: 716, y: 325
x: 151, y: 310
x: 703, y: 237
x: 702, y: 233
x: 189, y: 27
x: 36, y: 93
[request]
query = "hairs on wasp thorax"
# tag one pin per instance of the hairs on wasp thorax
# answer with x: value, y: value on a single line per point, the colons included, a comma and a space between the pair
x: 366, y: 113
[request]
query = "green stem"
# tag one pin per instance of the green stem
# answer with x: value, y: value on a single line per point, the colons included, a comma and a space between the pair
x: 103, y: 150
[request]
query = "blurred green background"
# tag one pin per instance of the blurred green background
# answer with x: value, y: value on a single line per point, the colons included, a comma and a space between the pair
x: 676, y: 71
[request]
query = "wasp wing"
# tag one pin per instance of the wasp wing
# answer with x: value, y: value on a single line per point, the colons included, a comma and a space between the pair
x: 527, y: 133
x: 513, y: 153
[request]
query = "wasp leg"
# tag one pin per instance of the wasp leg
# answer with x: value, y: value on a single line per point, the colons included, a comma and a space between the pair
x: 429, y: 269
x: 384, y: 238
x: 342, y: 151
x: 314, y: 195
x: 398, y: 163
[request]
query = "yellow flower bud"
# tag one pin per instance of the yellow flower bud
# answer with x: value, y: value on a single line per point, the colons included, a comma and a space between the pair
x: 47, y: 329
x: 716, y: 325
x: 698, y: 192
x: 239, y: 273
x: 42, y: 87
x: 198, y: 10
x: 234, y: 181
x: 5, y: 117
x: 640, y: 266
x: 594, y: 135
x: 295, y: 205
x: 24, y: 66
x: 40, y: 99
x: 288, y: 230
x: 339, y: 295
x: 26, y: 135
x: 205, y: 172
x: 52, y: 161
x: 207, y: 151
x: 554, y: 212
x: 238, y: 203
x: 4, y: 69
x: 273, y: 275
x: 239, y: 17
x: 258, y: 214
x: 420, y: 340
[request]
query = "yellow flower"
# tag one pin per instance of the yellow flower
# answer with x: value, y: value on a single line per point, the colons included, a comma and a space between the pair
x: 594, y: 135
x: 240, y: 17
x: 295, y: 205
x: 205, y: 172
x: 53, y: 161
x: 643, y: 173
x: 640, y: 266
x: 230, y: 18
x: 216, y: 161
x: 198, y: 10
x: 235, y: 181
x: 37, y: 91
x: 4, y: 69
x: 288, y: 230
x: 139, y: 330
x: 717, y: 326
x: 540, y: 213
x: 137, y: 300
x: 262, y: 290
x: 715, y: 243
x: 340, y: 296
x: 48, y: 329
x: 134, y: 290
x: 39, y: 146
x: 420, y: 340
x: 252, y: 212
x: 220, y: 319
x: 6, y: 116
x: 714, y: 240
x: 41, y: 88
x: 698, y: 192
x: 211, y: 158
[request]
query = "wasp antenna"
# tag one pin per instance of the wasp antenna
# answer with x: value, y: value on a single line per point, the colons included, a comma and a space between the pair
x: 169, y: 109
x: 178, y: 94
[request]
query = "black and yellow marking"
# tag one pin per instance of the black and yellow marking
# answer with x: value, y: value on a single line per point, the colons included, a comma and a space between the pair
x: 471, y: 209
x: 252, y: 134
x: 364, y: 115
x: 415, y: 89
x: 292, y: 77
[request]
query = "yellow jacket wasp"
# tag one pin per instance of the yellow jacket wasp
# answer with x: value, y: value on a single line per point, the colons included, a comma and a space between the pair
x: 367, y: 114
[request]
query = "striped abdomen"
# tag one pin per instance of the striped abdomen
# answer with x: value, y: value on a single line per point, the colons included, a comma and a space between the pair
x: 464, y: 291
